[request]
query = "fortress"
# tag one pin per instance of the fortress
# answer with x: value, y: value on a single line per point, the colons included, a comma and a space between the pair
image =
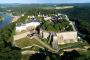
x: 62, y: 37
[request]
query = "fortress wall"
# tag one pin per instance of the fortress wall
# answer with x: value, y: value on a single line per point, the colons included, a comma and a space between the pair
x: 67, y: 37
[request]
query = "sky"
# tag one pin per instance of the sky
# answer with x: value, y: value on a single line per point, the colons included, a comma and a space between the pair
x: 44, y: 1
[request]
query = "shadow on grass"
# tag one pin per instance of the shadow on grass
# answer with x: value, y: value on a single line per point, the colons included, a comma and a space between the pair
x: 38, y: 56
x: 73, y: 55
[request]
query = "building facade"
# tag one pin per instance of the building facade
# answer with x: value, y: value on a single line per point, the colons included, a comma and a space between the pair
x: 28, y: 25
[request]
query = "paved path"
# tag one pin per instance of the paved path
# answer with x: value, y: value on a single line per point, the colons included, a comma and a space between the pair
x: 32, y: 46
x: 74, y: 27
x: 29, y: 52
x: 72, y: 23
x: 77, y: 49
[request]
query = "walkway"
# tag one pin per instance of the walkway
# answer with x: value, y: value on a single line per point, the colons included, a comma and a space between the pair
x: 32, y: 46
x: 72, y: 23
x: 77, y: 49
x: 29, y: 52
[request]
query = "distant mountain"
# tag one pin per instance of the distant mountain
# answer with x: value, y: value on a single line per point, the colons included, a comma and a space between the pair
x: 9, y: 5
x: 74, y: 4
x: 44, y: 5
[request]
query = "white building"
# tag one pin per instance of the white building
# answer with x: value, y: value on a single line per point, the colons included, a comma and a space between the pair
x: 32, y: 24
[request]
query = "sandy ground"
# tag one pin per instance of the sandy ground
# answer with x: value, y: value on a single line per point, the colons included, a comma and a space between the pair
x: 20, y: 36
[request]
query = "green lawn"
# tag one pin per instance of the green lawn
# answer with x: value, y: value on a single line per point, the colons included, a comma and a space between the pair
x: 34, y: 48
x: 26, y: 42
x: 26, y: 57
x: 84, y: 55
x: 74, y: 45
x: 56, y: 27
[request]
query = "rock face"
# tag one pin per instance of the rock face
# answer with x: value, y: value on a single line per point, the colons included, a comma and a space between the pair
x: 44, y: 34
x: 55, y: 42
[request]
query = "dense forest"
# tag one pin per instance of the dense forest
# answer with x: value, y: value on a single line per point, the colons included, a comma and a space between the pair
x: 7, y: 50
x: 81, y: 17
x: 57, y: 26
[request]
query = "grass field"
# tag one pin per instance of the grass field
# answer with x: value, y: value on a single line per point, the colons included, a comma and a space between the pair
x: 74, y: 45
x: 26, y: 57
x: 26, y: 42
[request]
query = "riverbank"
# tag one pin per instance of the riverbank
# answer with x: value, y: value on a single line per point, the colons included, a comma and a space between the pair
x: 1, y: 18
x: 6, y: 19
x: 15, y: 18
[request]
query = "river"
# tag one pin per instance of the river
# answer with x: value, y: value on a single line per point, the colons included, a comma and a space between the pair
x: 6, y: 20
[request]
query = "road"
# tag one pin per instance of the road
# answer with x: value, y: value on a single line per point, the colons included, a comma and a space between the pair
x: 32, y: 46
x: 74, y: 27
x: 72, y: 23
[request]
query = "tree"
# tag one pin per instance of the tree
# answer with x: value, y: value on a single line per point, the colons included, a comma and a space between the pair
x: 7, y: 50
x: 56, y: 26
x: 48, y: 58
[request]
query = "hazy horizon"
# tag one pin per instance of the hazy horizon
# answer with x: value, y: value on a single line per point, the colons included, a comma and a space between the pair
x: 44, y: 1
